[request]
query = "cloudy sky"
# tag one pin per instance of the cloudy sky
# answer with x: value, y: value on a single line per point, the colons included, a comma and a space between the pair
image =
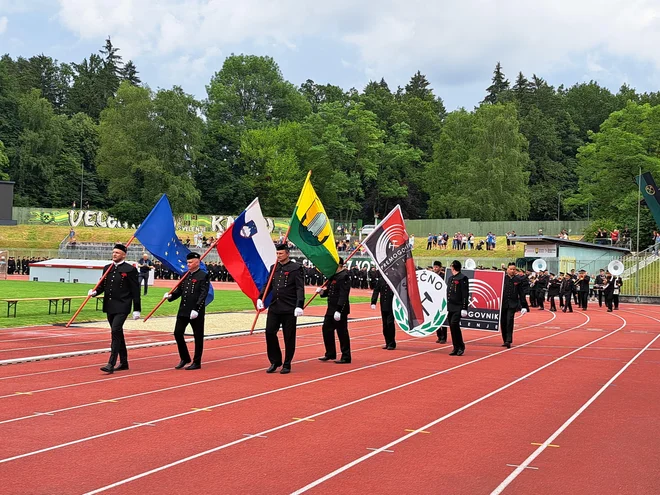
x: 349, y: 42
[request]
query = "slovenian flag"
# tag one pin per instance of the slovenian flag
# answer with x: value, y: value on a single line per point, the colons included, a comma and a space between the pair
x: 248, y: 252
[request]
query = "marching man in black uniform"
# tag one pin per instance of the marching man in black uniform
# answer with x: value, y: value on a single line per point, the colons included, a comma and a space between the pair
x: 458, y: 296
x: 513, y: 299
x: 122, y: 290
x: 336, y: 316
x: 387, y: 314
x: 192, y: 291
x: 288, y: 291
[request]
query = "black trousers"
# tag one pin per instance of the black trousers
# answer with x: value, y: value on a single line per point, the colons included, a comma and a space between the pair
x: 341, y: 326
x: 540, y: 298
x: 567, y: 303
x: 118, y: 344
x: 608, y: 301
x: 288, y: 323
x: 600, y: 298
x: 584, y: 298
x: 441, y: 333
x: 506, y: 325
x: 388, y: 327
x: 198, y: 331
x: 553, y: 307
x: 454, y: 318
x: 616, y: 301
x: 144, y: 277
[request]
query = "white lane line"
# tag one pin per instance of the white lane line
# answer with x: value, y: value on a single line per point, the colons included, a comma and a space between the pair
x: 568, y: 422
x: 453, y: 413
x: 206, y: 348
x: 158, y: 390
x: 142, y: 373
x: 327, y: 411
x: 526, y: 467
x: 155, y: 343
x: 282, y: 389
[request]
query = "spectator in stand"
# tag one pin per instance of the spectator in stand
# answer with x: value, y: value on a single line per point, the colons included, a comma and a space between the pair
x: 614, y: 237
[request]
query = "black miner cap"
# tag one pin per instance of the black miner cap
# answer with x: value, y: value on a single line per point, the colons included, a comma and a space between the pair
x: 282, y: 247
x: 193, y: 256
x: 121, y: 247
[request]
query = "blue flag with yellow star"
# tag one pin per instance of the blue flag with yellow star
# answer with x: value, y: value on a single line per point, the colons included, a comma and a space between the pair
x: 158, y: 235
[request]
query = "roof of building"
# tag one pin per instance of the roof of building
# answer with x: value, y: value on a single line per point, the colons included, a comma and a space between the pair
x: 567, y: 242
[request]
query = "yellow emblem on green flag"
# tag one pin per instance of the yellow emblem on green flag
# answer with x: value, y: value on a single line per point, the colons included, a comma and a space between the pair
x: 311, y: 232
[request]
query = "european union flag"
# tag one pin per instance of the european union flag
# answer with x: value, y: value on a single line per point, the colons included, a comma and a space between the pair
x: 158, y: 235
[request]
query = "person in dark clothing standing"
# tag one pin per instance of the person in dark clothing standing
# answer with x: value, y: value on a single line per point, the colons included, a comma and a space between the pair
x: 121, y: 292
x: 599, y: 282
x: 583, y: 288
x: 566, y: 290
x: 387, y: 314
x: 608, y: 291
x: 288, y: 292
x: 192, y: 291
x: 618, y: 282
x: 146, y: 265
x: 513, y: 300
x: 458, y: 295
x: 441, y: 332
x: 554, y: 286
x: 541, y: 286
x: 336, y: 316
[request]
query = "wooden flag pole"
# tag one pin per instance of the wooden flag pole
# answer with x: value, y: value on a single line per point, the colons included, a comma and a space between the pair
x: 270, y: 279
x: 96, y: 287
x: 326, y: 282
x: 180, y: 281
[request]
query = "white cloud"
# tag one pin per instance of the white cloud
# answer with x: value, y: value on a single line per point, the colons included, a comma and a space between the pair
x: 457, y: 41
x: 3, y: 24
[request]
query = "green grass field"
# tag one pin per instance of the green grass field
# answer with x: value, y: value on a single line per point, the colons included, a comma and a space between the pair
x: 36, y: 312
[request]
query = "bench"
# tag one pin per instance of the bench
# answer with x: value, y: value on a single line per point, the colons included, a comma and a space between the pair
x: 53, y: 302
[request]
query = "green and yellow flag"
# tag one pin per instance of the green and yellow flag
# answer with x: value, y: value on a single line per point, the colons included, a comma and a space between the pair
x: 311, y: 232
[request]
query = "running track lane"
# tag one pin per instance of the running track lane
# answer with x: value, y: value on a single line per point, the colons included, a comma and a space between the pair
x: 197, y: 421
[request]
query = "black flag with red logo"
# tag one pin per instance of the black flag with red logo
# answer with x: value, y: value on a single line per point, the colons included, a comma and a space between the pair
x: 390, y: 248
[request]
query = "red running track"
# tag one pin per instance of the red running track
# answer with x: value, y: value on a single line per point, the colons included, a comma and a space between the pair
x: 584, y: 386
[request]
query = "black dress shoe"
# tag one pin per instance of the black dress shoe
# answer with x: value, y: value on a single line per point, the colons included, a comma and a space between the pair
x: 273, y: 368
x: 441, y: 341
x: 504, y: 345
x: 386, y: 346
x: 194, y: 366
x: 460, y: 352
x: 121, y: 367
x: 343, y: 361
x: 108, y: 368
x: 391, y: 347
x: 284, y: 371
x: 325, y: 358
x: 181, y: 364
x: 454, y: 353
x: 508, y: 345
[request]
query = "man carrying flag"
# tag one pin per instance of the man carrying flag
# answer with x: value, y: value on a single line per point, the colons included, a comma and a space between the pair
x: 336, y: 316
x: 288, y: 299
x: 389, y: 246
x: 192, y: 291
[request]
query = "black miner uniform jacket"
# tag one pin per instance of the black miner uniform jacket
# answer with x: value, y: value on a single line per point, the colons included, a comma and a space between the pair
x: 121, y: 288
x: 339, y: 287
x: 458, y: 292
x: 192, y: 291
x: 386, y: 296
x: 513, y: 295
x: 287, y: 288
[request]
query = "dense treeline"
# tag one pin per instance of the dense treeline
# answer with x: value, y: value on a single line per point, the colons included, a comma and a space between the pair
x: 527, y: 151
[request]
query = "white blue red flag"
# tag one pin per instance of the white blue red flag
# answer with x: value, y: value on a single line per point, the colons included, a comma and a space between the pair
x: 248, y: 252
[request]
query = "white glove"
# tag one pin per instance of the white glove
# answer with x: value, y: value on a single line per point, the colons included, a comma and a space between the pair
x: 319, y: 290
x: 523, y: 311
x: 373, y: 306
x: 298, y: 312
x: 463, y: 313
x: 167, y: 295
x: 260, y: 304
x: 193, y: 314
x: 91, y: 292
x: 337, y: 316
x: 136, y: 315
